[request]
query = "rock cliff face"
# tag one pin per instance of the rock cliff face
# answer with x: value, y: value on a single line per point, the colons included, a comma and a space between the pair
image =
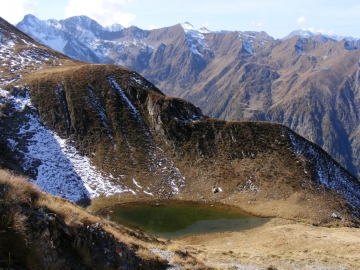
x: 307, y: 82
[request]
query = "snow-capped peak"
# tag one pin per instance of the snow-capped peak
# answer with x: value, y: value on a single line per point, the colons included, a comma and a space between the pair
x: 309, y: 34
x: 204, y: 30
x: 54, y: 23
x: 339, y: 38
x: 301, y: 33
x: 114, y: 27
x: 195, y: 38
x: 187, y: 26
x: 44, y: 33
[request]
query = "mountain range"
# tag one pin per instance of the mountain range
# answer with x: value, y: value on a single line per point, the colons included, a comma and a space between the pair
x: 101, y: 134
x: 83, y: 131
x: 307, y: 81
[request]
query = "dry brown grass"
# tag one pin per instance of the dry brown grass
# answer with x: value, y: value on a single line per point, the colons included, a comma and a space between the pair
x: 17, y: 191
x: 22, y: 190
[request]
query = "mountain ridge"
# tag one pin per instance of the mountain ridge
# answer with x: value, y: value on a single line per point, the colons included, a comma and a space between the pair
x: 103, y: 134
x: 114, y: 132
x: 250, y: 76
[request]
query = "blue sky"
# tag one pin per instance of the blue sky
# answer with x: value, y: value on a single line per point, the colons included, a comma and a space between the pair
x: 276, y: 17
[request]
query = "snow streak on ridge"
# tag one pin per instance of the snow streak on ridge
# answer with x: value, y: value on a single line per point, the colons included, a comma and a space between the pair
x: 328, y: 172
x: 95, y: 104
x: 194, y: 37
x: 159, y: 163
x: 59, y: 168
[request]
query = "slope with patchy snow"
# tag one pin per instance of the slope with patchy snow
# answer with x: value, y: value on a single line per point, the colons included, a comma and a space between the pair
x: 57, y: 167
x: 327, y: 172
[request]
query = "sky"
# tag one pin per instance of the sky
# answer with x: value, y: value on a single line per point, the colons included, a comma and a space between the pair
x: 276, y: 17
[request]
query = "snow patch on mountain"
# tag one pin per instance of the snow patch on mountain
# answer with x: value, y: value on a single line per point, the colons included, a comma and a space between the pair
x: 299, y: 46
x: 327, y: 171
x: 204, y: 30
x: 59, y: 168
x: 30, y: 59
x: 247, y: 40
x: 159, y: 162
x: 301, y: 33
x: 130, y: 106
x: 248, y: 45
x: 46, y: 34
x: 114, y: 27
x: 195, y: 38
x: 99, y: 110
x: 187, y: 26
x: 348, y: 47
x: 55, y: 42
x: 51, y: 33
x: 309, y: 34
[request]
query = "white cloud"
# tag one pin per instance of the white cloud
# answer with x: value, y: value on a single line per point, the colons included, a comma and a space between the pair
x: 258, y: 23
x: 300, y: 20
x: 14, y: 11
x: 105, y: 12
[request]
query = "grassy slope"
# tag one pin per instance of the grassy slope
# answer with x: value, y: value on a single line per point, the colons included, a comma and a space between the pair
x: 232, y: 155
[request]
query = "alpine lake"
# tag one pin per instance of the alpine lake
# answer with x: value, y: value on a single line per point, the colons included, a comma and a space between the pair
x: 173, y: 219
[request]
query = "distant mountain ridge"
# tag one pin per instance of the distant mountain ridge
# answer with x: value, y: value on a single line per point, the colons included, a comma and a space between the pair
x: 308, y: 33
x: 309, y: 84
x: 351, y: 42
x: 84, y: 39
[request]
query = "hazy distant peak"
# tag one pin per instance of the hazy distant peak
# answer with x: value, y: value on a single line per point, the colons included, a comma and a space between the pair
x: 83, y: 21
x: 54, y: 23
x: 204, y: 30
x: 187, y: 26
x: 114, y: 27
x: 310, y: 34
x: 31, y: 20
x: 301, y: 33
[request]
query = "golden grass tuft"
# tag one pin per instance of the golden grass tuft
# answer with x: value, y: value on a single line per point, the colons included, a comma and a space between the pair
x: 22, y: 191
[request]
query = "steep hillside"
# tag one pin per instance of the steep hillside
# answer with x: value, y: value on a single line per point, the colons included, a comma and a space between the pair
x: 307, y: 82
x: 98, y: 130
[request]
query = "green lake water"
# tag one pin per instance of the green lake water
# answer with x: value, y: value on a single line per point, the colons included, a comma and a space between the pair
x: 175, y: 220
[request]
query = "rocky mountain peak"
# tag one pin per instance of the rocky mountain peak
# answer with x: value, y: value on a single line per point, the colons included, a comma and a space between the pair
x: 320, y: 37
x: 187, y: 26
x: 82, y: 25
x: 204, y: 30
x: 301, y: 33
x: 114, y: 27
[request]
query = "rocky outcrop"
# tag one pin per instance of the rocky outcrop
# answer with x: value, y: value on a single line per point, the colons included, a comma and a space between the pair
x: 38, y: 238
